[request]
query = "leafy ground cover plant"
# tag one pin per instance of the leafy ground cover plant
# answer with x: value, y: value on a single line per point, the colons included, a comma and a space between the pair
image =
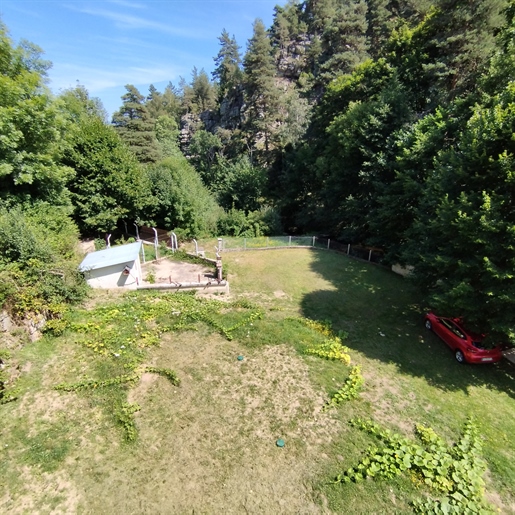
x: 455, y: 472
x: 125, y: 417
x: 350, y: 389
x: 333, y: 347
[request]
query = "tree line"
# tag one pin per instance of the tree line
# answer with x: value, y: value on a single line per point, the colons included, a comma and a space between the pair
x: 386, y: 123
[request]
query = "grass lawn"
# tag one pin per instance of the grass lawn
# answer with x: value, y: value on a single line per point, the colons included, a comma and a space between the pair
x: 122, y: 436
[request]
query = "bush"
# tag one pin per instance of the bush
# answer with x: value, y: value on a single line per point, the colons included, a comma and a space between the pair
x: 264, y: 222
x: 38, y: 265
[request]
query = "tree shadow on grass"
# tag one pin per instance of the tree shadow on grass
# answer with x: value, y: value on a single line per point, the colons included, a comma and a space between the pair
x: 381, y: 313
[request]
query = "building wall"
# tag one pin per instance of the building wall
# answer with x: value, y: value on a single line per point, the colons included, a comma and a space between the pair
x: 113, y: 277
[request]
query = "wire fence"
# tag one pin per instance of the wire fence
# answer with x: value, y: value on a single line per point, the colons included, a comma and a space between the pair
x: 371, y: 254
x: 266, y: 242
x: 158, y: 237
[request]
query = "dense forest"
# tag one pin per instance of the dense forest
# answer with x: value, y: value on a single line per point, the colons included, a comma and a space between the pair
x: 385, y: 123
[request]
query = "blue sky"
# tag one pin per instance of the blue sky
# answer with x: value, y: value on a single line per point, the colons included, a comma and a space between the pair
x: 104, y: 45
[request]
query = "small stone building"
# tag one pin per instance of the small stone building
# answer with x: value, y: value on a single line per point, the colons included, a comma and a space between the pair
x: 115, y: 267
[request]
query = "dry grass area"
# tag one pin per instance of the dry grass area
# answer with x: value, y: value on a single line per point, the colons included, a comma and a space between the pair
x: 207, y: 446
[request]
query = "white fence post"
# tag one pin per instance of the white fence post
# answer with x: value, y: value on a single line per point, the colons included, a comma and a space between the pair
x: 370, y: 255
x: 314, y: 238
x: 328, y: 243
x: 348, y: 249
x: 289, y: 241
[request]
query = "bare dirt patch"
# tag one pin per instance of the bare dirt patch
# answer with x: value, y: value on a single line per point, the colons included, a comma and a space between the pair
x: 168, y: 271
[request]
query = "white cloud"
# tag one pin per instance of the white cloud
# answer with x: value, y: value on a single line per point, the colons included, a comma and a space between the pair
x: 130, y: 5
x: 95, y: 80
x: 127, y: 21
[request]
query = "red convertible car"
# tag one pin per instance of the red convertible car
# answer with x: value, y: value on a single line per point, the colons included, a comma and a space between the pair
x: 467, y: 346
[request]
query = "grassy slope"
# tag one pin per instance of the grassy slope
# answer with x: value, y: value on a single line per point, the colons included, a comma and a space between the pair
x: 412, y: 377
x: 53, y: 442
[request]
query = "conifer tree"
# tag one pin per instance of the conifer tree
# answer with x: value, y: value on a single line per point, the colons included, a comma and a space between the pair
x: 167, y: 103
x: 280, y: 31
x: 204, y: 93
x: 154, y: 102
x: 227, y: 65
x: 462, y: 241
x: 345, y: 39
x: 136, y: 127
x: 379, y: 25
x: 460, y: 39
x: 261, y: 92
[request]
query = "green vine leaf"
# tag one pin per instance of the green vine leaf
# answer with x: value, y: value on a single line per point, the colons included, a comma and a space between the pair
x: 454, y: 471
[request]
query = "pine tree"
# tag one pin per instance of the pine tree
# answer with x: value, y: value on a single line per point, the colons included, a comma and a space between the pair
x: 261, y: 92
x: 136, y: 127
x: 154, y: 103
x: 227, y: 65
x: 344, y: 39
x: 204, y: 93
x: 445, y: 54
x: 379, y: 25
x: 460, y: 39
x: 187, y: 96
x: 200, y: 94
x: 167, y: 103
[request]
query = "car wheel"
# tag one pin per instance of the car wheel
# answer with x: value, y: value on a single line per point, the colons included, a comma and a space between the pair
x: 460, y: 358
x: 429, y: 325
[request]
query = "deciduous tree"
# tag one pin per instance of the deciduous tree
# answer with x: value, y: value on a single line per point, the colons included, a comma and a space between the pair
x: 31, y: 131
x: 109, y: 185
x: 181, y: 201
